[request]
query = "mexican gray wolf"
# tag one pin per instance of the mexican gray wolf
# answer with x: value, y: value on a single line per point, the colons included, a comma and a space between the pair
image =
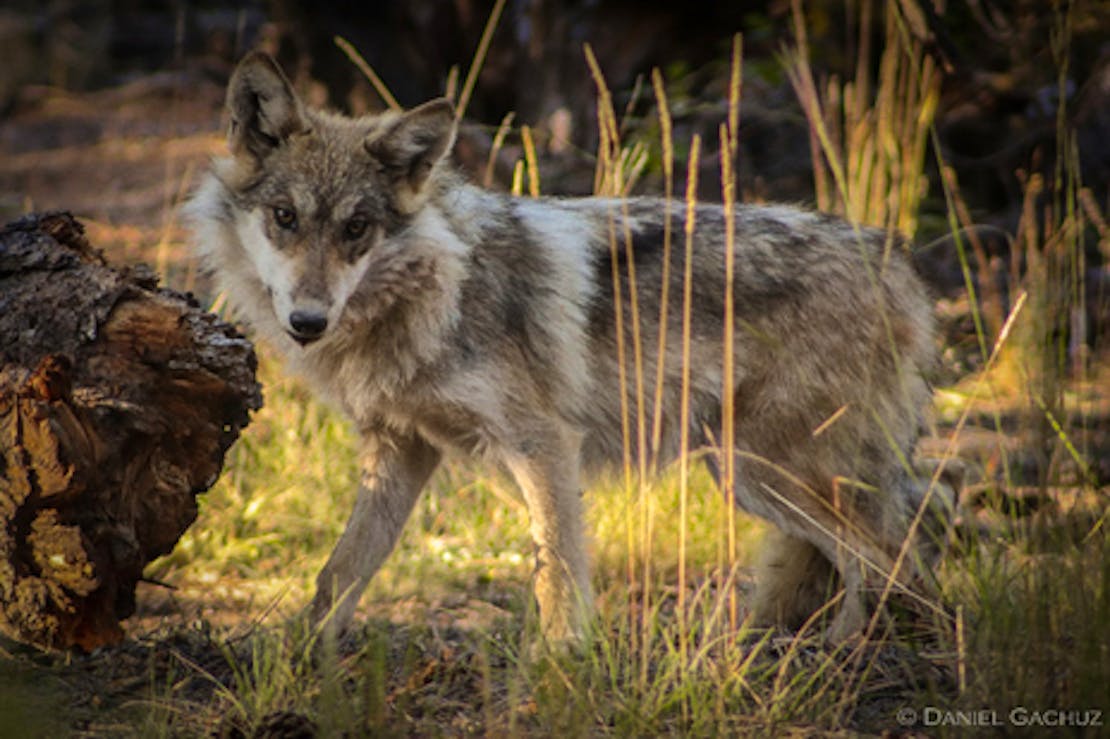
x: 444, y: 318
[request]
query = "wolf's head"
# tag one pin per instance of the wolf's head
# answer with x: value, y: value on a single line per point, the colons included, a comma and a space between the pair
x: 314, y: 194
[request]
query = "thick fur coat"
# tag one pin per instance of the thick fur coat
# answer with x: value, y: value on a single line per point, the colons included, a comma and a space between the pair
x: 447, y: 318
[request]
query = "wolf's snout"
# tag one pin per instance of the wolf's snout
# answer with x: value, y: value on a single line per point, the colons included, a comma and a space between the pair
x: 308, y: 326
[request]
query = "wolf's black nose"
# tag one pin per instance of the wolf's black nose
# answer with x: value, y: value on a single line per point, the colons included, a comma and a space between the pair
x: 307, y: 325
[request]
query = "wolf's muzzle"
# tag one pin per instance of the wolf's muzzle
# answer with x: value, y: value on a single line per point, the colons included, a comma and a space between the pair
x: 308, y: 326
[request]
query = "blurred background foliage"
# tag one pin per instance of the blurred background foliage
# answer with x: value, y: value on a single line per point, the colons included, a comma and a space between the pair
x: 997, y: 112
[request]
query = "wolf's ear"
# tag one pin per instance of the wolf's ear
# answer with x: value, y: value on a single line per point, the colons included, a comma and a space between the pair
x: 412, y: 145
x: 264, y: 109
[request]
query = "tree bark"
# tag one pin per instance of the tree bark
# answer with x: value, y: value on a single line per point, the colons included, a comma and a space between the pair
x: 118, y: 401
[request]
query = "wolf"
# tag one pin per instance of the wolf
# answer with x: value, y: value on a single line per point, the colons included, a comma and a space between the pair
x: 447, y: 319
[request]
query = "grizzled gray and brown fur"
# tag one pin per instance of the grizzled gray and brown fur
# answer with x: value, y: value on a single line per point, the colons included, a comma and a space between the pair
x: 446, y: 318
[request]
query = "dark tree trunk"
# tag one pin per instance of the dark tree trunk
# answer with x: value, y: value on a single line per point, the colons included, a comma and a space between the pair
x: 118, y: 400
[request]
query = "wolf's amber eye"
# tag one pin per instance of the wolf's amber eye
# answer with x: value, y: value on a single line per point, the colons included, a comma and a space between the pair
x: 355, y: 228
x: 285, y: 217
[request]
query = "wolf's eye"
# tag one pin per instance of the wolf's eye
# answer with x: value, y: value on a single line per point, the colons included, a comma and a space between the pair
x: 285, y: 217
x: 355, y: 228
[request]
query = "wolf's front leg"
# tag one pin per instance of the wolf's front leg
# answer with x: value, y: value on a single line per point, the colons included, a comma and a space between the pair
x: 546, y: 466
x: 395, y: 469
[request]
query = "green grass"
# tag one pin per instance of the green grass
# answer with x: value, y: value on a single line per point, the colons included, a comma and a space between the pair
x: 31, y: 702
x: 1032, y: 604
x: 1037, y: 606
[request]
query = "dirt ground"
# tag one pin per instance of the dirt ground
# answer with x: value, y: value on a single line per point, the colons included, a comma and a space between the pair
x: 122, y: 160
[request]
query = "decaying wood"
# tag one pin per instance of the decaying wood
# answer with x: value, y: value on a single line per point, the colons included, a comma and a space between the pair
x: 118, y: 400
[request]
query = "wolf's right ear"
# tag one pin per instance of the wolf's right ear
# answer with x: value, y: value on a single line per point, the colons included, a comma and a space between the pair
x: 264, y: 109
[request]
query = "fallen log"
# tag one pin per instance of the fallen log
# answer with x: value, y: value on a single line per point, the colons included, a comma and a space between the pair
x: 118, y: 401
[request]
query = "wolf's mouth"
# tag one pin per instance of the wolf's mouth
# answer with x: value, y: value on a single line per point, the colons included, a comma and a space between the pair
x: 302, y: 339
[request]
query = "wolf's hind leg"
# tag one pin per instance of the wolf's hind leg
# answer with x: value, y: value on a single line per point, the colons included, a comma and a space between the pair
x: 793, y: 580
x: 394, y: 472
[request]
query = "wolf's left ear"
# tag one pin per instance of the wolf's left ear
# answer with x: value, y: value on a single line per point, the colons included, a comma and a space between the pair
x: 264, y: 109
x: 414, y: 144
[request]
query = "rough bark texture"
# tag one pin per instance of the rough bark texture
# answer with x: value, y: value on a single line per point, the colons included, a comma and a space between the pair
x: 118, y: 401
